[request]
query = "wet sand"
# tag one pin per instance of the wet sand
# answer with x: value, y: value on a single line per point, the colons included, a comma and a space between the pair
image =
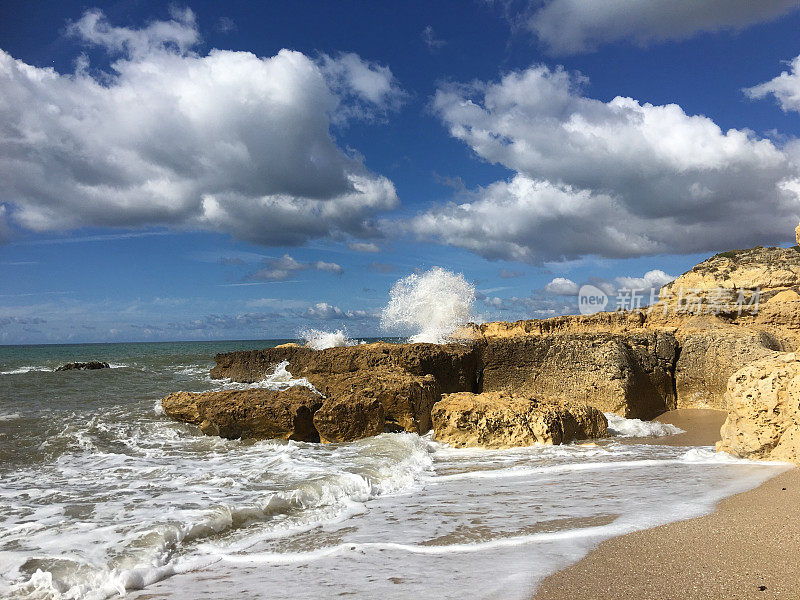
x: 749, y: 548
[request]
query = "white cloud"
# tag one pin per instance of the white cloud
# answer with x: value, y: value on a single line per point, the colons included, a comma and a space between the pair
x: 562, y: 286
x: 651, y: 280
x: 364, y: 247
x: 278, y: 269
x: 226, y: 142
x: 613, y: 179
x: 573, y: 26
x: 785, y: 87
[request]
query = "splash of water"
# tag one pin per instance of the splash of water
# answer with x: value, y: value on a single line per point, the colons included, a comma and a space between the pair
x: 432, y: 305
x: 319, y: 340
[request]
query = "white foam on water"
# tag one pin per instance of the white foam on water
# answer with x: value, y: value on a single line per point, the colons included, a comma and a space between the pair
x: 9, y: 417
x: 430, y: 305
x: 25, y: 369
x: 279, y: 379
x: 622, y: 427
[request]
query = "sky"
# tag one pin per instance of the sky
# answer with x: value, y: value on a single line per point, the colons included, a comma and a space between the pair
x: 250, y: 170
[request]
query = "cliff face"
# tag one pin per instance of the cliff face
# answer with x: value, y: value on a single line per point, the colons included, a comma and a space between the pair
x: 629, y: 374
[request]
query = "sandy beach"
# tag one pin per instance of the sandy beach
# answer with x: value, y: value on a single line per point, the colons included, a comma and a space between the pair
x: 748, y: 548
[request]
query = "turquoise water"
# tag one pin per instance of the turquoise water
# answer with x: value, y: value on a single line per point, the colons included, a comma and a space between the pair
x: 101, y: 495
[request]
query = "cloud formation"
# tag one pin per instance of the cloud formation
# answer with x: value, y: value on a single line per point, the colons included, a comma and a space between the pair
x: 278, y: 269
x: 227, y: 142
x: 575, y: 26
x: 615, y: 179
x: 561, y: 286
x: 785, y: 87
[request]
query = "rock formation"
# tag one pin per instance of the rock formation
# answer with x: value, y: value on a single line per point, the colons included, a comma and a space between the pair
x: 711, y: 350
x: 684, y: 352
x: 629, y: 374
x: 501, y: 420
x: 92, y: 365
x: 254, y: 414
x: 763, y: 401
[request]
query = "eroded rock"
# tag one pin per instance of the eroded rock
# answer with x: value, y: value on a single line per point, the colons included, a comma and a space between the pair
x: 501, y: 420
x: 630, y: 374
x: 253, y: 414
x: 763, y: 400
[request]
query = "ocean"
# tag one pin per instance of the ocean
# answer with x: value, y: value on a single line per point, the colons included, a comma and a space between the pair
x: 102, y: 495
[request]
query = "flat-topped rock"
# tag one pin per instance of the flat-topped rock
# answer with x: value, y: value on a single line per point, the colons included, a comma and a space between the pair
x: 502, y: 420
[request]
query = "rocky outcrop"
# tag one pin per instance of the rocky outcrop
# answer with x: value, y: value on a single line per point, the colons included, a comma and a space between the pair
x: 406, y: 399
x: 253, y: 414
x: 92, y: 365
x: 770, y: 270
x: 501, y: 420
x: 630, y: 374
x: 349, y: 418
x: 454, y: 366
x: 712, y: 350
x: 763, y: 402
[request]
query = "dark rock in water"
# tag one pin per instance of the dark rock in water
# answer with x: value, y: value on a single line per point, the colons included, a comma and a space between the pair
x: 84, y: 366
x: 250, y: 414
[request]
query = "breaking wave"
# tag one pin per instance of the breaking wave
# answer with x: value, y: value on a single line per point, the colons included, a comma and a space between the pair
x: 430, y: 305
x: 320, y: 340
x: 622, y: 427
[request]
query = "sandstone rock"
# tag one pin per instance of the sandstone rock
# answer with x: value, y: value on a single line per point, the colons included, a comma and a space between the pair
x: 455, y: 366
x: 406, y: 399
x: 601, y: 322
x: 348, y: 418
x: 500, y: 420
x: 764, y: 410
x: 797, y: 234
x: 711, y: 350
x: 84, y: 366
x: 631, y: 374
x: 254, y: 413
x: 771, y: 270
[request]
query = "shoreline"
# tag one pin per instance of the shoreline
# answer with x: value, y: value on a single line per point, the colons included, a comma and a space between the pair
x: 747, y: 548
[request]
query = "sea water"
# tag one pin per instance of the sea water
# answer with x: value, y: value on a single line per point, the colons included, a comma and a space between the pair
x: 101, y: 494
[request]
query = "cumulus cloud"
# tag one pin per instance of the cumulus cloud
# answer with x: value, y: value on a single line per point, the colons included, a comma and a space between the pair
x: 573, y: 26
x: 278, y: 269
x: 227, y: 141
x: 561, y: 286
x: 785, y: 87
x: 616, y: 179
x: 652, y: 280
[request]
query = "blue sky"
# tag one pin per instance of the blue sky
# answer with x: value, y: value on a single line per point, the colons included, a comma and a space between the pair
x: 247, y: 170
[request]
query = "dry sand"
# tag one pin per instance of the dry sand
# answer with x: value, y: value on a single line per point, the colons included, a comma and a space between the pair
x: 748, y: 549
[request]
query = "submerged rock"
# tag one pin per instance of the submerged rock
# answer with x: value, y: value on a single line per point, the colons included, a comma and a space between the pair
x: 763, y: 402
x: 84, y: 366
x: 253, y: 414
x: 501, y: 420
